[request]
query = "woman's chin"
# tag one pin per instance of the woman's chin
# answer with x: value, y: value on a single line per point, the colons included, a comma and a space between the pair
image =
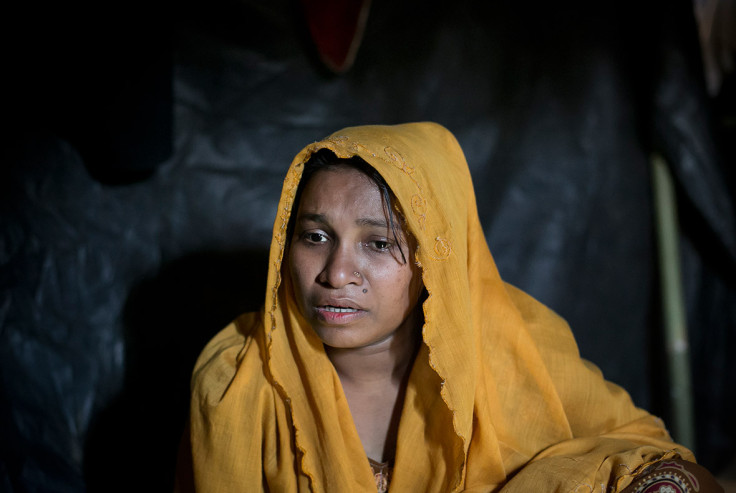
x: 339, y: 337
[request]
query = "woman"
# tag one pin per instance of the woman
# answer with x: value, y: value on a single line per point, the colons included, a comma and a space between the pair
x: 390, y: 352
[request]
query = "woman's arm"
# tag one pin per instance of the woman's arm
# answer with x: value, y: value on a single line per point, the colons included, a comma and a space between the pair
x: 674, y: 475
x: 613, y: 443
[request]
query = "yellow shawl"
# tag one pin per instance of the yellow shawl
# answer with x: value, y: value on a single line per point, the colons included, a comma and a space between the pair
x: 498, y: 396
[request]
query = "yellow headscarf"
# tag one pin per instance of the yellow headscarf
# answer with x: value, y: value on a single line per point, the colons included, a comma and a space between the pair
x: 498, y: 395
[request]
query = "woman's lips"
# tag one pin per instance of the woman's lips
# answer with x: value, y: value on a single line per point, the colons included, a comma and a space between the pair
x: 338, y: 314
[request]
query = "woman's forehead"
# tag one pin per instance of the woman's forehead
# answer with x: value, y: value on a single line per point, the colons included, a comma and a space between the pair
x: 339, y: 190
x: 327, y: 185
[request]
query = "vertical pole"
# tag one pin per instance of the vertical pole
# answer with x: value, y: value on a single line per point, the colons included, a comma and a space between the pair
x: 673, y: 304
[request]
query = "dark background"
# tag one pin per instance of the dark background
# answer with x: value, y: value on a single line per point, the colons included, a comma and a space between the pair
x: 145, y: 148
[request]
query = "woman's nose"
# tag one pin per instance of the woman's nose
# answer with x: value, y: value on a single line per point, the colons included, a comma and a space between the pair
x: 341, y: 268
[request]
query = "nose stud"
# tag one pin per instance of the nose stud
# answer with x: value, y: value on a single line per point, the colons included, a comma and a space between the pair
x: 356, y: 274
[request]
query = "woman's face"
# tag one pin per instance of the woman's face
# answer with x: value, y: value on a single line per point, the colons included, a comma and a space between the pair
x: 350, y: 280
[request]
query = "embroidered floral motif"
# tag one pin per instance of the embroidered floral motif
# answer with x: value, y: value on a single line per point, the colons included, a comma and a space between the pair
x: 381, y: 482
x: 398, y: 160
x: 419, y: 208
x: 442, y: 248
x: 668, y: 477
x: 666, y: 489
x: 382, y: 475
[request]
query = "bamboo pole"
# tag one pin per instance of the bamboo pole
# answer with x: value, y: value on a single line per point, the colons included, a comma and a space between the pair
x: 673, y: 304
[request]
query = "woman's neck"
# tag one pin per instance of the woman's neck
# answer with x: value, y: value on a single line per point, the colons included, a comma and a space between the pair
x: 389, y: 360
x: 374, y: 379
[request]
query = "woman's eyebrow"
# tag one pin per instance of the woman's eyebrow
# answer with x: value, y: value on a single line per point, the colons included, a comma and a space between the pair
x: 322, y: 219
x: 370, y: 221
x: 314, y: 217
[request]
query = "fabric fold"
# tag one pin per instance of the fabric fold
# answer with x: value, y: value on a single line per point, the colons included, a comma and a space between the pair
x: 498, y: 396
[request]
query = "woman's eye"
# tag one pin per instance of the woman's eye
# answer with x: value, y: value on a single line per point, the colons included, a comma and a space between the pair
x: 380, y: 245
x: 314, y: 237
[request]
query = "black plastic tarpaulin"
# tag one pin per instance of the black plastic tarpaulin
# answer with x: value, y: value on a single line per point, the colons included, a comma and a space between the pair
x: 141, y: 180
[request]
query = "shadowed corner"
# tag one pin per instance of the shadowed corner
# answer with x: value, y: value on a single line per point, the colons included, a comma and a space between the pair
x: 133, y: 443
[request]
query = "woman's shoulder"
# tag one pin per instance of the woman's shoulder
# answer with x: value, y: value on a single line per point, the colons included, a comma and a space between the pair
x: 548, y: 329
x: 234, y: 349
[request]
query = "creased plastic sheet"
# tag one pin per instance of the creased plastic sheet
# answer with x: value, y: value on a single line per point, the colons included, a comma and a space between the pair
x: 108, y: 292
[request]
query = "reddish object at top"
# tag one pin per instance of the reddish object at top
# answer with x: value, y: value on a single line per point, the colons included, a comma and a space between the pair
x: 337, y: 26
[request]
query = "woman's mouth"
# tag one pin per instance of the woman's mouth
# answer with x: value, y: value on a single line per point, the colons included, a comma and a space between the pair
x: 338, y: 309
x: 338, y: 314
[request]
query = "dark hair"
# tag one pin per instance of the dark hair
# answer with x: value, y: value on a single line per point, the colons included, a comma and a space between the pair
x: 326, y: 159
